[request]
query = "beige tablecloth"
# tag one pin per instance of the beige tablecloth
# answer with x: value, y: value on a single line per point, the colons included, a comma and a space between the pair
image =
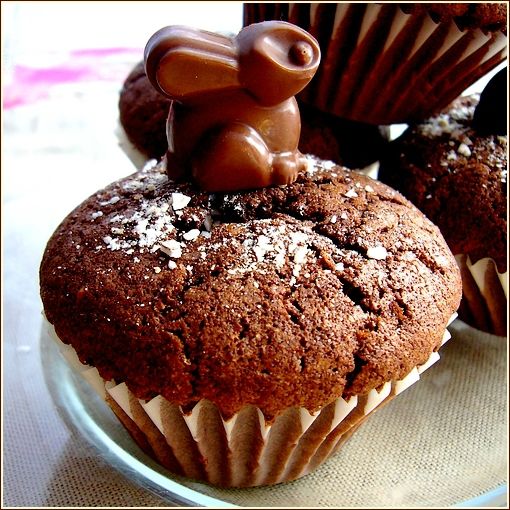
x: 58, y: 147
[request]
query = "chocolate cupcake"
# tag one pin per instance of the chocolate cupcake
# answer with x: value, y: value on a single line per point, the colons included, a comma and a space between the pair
x: 386, y: 63
x: 242, y: 337
x: 241, y: 307
x: 456, y: 173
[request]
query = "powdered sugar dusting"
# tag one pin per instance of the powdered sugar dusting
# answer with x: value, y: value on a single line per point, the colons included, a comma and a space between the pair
x: 454, y: 123
x: 265, y: 244
x: 154, y: 225
x: 179, y: 201
x: 314, y: 164
x: 455, y: 126
x: 377, y: 252
x: 155, y: 220
x: 183, y: 234
x: 172, y: 248
x: 144, y: 227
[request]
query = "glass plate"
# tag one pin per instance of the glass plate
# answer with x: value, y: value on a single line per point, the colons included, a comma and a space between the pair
x: 344, y: 480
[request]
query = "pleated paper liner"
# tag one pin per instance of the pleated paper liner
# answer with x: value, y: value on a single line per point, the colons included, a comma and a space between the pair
x: 244, y: 451
x: 137, y: 157
x: 382, y: 66
x: 484, y: 295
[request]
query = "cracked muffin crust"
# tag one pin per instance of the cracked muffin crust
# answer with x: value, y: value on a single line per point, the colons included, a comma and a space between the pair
x: 279, y: 297
x: 456, y: 173
x: 457, y: 177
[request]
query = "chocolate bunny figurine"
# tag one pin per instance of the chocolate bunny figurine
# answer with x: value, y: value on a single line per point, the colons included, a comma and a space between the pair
x: 234, y: 122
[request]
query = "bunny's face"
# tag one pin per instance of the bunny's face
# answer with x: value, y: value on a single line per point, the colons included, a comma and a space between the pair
x: 276, y: 60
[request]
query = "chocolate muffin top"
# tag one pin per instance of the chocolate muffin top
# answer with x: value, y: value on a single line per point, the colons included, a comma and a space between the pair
x: 283, y: 296
x: 142, y: 113
x: 488, y: 16
x: 457, y: 177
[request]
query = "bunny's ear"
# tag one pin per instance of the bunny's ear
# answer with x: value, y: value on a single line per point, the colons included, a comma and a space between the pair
x: 183, y: 62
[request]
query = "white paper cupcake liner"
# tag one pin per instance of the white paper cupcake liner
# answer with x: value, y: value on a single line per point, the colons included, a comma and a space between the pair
x: 389, y: 67
x: 136, y: 157
x: 485, y: 295
x: 244, y: 450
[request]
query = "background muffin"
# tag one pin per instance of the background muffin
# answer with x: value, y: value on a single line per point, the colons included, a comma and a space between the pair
x: 244, y: 336
x: 386, y: 63
x: 352, y: 144
x: 142, y: 115
x: 456, y: 173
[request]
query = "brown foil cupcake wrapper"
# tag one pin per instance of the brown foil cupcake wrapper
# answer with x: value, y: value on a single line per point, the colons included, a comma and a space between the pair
x: 382, y: 66
x: 244, y: 451
x: 484, y: 295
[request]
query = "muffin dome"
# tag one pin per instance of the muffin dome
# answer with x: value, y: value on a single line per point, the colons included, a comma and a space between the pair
x: 280, y: 297
x: 457, y: 177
